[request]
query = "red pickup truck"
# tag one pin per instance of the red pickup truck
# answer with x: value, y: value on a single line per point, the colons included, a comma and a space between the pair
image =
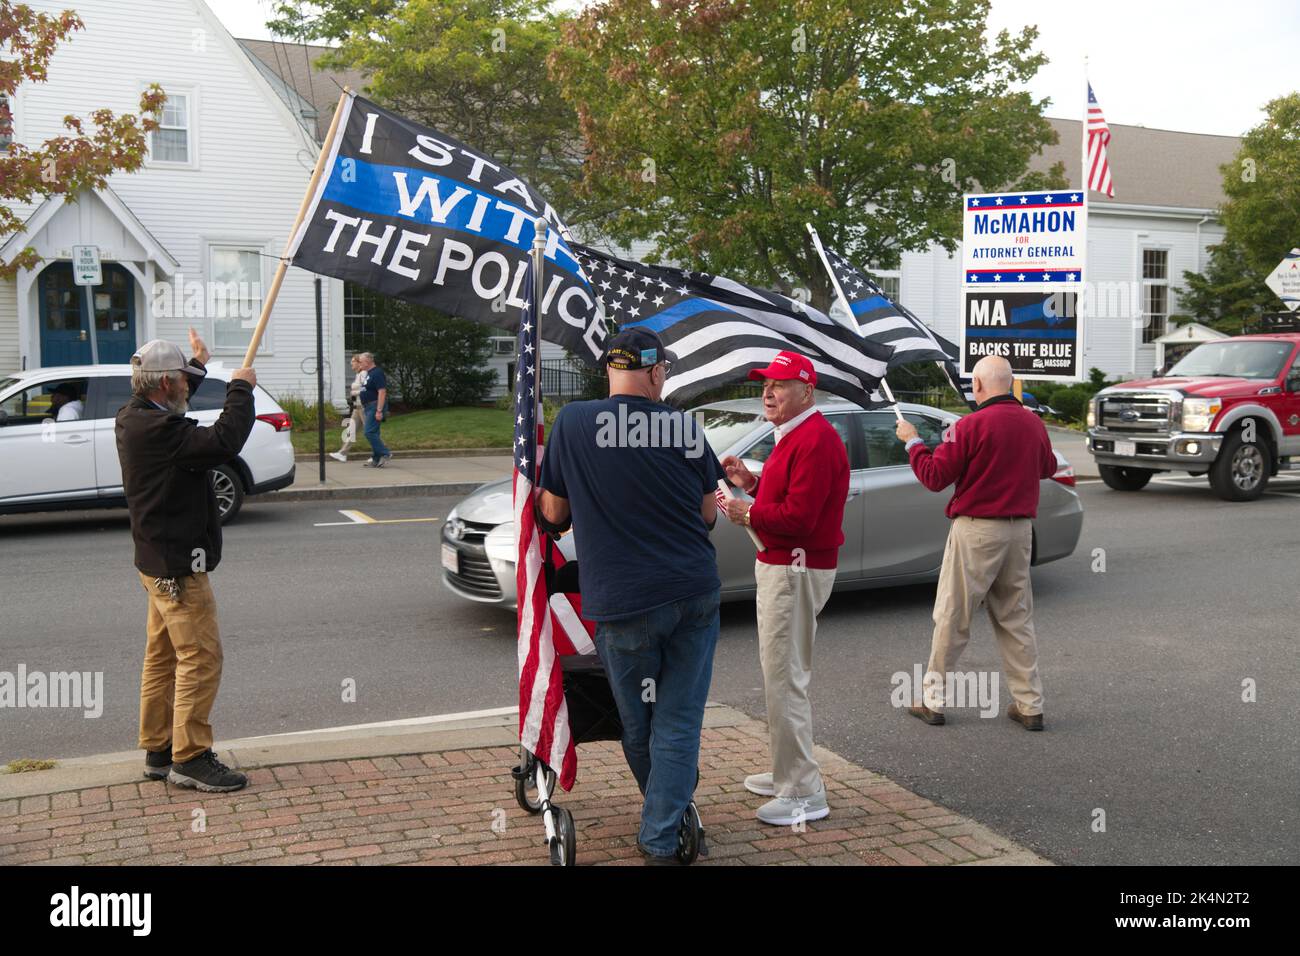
x: 1229, y: 409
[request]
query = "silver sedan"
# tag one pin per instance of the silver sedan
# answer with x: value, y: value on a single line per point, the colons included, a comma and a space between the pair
x: 894, y: 529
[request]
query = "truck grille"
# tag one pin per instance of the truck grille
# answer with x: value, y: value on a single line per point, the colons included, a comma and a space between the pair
x: 1134, y: 413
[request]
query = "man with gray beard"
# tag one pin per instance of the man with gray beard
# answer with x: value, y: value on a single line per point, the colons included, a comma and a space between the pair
x: 176, y: 526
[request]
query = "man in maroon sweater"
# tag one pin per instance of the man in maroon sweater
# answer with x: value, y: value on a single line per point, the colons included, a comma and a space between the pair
x: 996, y: 455
x: 798, y: 513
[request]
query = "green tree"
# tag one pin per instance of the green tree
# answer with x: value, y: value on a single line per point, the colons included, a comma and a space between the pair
x: 719, y: 127
x: 1261, y: 220
x: 473, y: 69
x: 64, y: 164
x: 432, y: 358
x: 1228, y: 295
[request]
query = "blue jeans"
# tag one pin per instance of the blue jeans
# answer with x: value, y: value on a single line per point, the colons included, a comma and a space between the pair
x: 673, y: 647
x: 377, y: 447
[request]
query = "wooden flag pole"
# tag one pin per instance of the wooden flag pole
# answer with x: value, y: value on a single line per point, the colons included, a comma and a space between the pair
x: 283, y: 267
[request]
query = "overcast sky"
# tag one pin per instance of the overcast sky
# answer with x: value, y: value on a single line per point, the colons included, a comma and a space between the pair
x: 1205, y: 66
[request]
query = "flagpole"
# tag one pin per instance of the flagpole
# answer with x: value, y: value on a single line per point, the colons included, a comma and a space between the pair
x: 538, y: 253
x: 844, y: 300
x: 1083, y: 175
x: 283, y: 267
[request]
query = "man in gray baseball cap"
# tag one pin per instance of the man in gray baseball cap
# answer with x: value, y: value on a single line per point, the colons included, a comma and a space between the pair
x: 176, y: 526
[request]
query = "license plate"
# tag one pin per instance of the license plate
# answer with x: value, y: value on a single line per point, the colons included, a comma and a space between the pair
x: 1126, y: 449
x: 451, y: 559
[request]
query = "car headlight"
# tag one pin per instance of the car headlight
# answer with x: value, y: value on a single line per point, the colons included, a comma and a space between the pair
x: 500, y: 543
x: 1092, y: 414
x: 1199, y: 413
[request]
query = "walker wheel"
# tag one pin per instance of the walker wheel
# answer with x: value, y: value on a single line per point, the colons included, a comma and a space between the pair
x: 690, y: 835
x: 526, y: 794
x: 565, y: 848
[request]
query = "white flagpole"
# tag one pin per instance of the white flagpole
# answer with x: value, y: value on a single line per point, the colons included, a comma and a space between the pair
x: 844, y: 301
x: 1083, y: 175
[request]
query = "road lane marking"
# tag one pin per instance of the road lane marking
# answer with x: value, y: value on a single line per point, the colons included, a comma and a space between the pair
x: 354, y: 517
x: 401, y: 722
x: 361, y: 518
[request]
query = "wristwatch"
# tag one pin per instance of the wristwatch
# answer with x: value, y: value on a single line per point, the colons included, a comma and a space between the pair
x: 745, y: 519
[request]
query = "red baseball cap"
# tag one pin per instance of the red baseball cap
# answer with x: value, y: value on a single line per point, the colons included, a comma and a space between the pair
x: 787, y: 365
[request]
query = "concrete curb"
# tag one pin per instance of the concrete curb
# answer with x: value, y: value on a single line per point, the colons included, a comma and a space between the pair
x: 412, y: 490
x: 424, y: 453
x: 417, y: 736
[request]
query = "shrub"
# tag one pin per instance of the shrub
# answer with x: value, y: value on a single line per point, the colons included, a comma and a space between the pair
x: 432, y: 359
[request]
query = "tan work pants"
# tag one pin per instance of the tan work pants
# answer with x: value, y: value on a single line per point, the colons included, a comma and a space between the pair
x: 987, y: 559
x: 182, y: 668
x: 788, y: 603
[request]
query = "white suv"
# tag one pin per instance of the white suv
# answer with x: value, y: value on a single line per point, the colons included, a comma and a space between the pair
x: 53, y: 465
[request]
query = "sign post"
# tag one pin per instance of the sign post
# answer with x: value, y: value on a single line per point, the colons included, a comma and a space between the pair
x: 1285, y: 280
x: 1022, y: 272
x: 88, y: 273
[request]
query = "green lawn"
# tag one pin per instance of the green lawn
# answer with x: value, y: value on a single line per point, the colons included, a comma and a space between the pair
x: 433, y: 428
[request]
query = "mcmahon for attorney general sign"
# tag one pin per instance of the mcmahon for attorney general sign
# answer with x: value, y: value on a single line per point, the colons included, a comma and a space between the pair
x: 1022, y: 267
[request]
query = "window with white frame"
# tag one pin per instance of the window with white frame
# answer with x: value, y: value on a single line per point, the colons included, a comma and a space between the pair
x: 171, y: 141
x: 1155, y: 293
x: 6, y: 122
x: 234, y: 299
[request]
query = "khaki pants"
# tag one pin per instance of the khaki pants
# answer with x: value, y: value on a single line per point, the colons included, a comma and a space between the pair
x: 788, y: 604
x: 182, y: 668
x: 987, y: 559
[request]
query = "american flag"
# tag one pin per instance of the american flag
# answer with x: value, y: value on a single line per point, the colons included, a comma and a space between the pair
x: 720, y: 328
x: 1098, y: 171
x: 550, y: 625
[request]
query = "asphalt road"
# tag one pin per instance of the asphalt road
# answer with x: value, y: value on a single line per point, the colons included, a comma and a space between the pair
x: 1143, y: 664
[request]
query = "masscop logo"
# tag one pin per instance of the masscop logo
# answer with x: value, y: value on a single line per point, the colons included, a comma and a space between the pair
x: 76, y: 909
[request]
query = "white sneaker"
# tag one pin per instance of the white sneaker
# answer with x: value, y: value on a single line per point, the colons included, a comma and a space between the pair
x: 761, y: 784
x: 338, y: 456
x: 787, y: 811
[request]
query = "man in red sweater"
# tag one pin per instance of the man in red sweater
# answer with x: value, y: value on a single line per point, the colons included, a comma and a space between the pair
x: 996, y: 455
x: 798, y: 513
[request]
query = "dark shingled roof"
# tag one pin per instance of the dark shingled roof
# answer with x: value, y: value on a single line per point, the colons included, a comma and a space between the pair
x: 1150, y: 167
x: 294, y: 64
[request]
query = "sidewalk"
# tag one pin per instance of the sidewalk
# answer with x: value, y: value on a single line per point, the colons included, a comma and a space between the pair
x: 438, y: 791
x: 404, y: 475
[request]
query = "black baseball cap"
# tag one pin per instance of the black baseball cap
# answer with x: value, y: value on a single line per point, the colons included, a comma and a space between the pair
x: 635, y: 348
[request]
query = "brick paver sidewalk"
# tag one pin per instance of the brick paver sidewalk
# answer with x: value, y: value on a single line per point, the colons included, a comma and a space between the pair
x: 457, y: 807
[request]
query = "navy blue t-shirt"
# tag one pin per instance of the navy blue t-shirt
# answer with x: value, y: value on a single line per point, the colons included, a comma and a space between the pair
x: 375, y: 380
x: 634, y: 472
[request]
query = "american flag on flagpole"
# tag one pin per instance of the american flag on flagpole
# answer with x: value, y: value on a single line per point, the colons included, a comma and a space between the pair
x: 550, y: 625
x: 1097, y: 173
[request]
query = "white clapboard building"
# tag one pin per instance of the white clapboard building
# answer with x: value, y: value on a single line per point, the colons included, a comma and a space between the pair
x: 1159, y: 225
x: 190, y: 239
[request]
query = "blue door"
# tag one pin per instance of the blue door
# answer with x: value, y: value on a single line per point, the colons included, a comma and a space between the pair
x: 65, y: 337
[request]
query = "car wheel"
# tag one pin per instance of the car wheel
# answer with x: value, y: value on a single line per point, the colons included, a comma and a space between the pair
x: 1125, y: 479
x: 229, y: 491
x: 1241, y: 471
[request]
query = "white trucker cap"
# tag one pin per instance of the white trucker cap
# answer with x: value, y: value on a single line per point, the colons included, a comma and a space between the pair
x: 160, y: 355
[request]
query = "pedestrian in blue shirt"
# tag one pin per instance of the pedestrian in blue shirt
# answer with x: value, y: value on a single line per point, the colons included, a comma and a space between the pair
x: 638, y: 481
x: 374, y: 408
